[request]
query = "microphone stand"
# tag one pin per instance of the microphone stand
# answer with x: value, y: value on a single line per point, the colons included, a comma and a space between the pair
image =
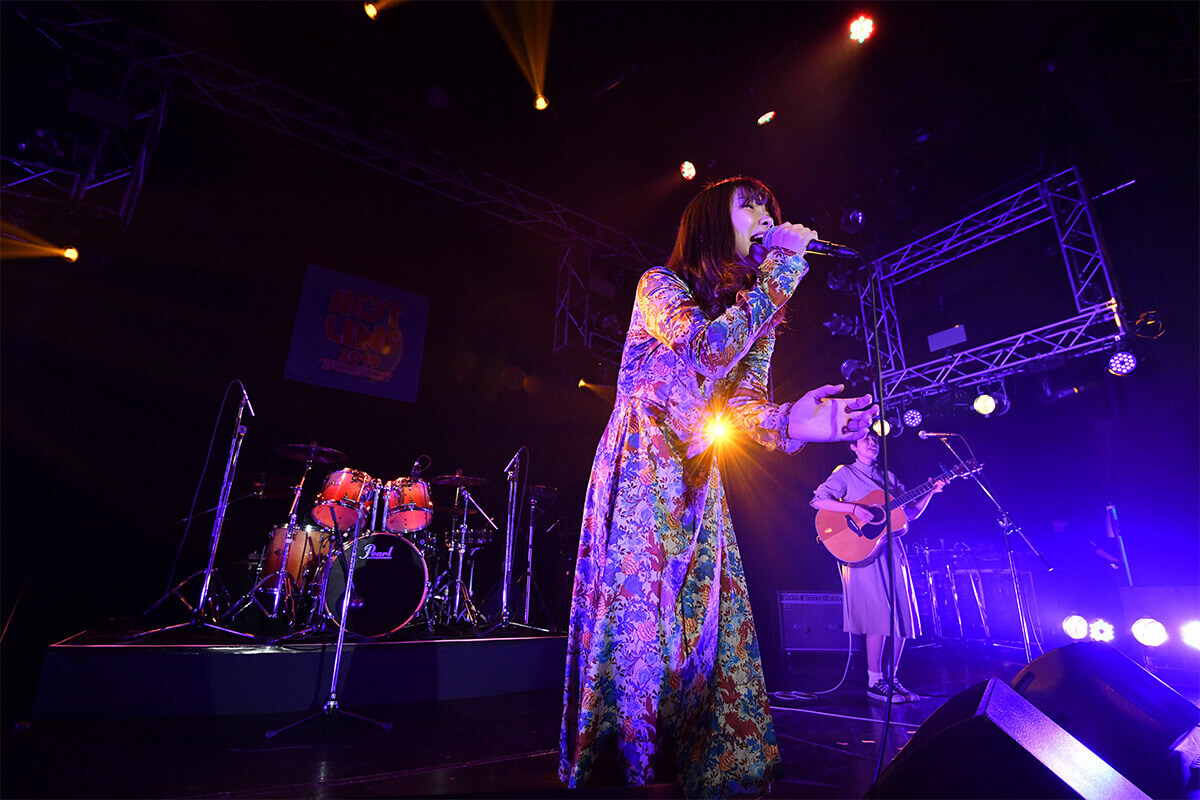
x: 198, y: 611
x: 1008, y: 527
x: 331, y: 705
x: 505, y: 621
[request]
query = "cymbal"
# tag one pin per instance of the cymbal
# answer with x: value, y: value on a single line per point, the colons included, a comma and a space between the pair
x: 457, y: 480
x: 455, y: 511
x: 320, y: 455
x: 262, y: 484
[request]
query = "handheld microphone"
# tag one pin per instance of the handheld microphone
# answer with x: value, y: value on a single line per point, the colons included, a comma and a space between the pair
x: 246, y: 397
x: 815, y: 246
x: 936, y: 435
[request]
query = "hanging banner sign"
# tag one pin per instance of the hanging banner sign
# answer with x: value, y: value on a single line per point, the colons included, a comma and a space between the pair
x: 358, y: 335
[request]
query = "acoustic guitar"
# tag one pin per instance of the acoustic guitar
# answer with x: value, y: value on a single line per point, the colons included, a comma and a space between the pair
x: 851, y: 541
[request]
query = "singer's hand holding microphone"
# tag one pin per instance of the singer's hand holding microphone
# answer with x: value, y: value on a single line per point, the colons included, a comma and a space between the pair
x: 800, y: 239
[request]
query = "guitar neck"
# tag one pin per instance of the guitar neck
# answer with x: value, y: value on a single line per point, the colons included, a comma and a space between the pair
x: 913, y: 494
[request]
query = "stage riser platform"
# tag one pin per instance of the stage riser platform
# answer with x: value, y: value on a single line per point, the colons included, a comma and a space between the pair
x: 127, y: 681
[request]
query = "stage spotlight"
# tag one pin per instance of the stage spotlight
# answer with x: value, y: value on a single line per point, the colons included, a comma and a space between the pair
x: 853, y: 220
x: 1075, y: 626
x: 371, y: 10
x: 887, y: 426
x: 993, y: 400
x: 913, y: 418
x: 844, y: 278
x: 541, y: 103
x: 582, y: 383
x: 1122, y: 362
x: 1149, y: 632
x: 861, y: 29
x: 70, y: 254
x: 1101, y: 630
x: 688, y: 170
x: 855, y: 371
x: 767, y: 117
x: 984, y: 404
x: 1190, y: 633
x: 842, y: 325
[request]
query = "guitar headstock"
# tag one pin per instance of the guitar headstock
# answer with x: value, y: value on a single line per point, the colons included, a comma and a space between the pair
x: 966, y: 468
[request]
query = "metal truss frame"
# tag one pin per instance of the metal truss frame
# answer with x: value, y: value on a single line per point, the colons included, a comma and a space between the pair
x: 100, y: 38
x: 1060, y: 199
x: 106, y: 173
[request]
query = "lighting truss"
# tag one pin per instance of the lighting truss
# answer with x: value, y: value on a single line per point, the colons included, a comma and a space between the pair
x: 105, y: 172
x: 1060, y: 200
x: 100, y: 38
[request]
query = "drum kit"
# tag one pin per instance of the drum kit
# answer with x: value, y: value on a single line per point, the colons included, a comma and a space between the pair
x: 403, y: 573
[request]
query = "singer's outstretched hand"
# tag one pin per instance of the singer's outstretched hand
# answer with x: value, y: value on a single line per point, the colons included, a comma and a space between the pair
x: 818, y: 417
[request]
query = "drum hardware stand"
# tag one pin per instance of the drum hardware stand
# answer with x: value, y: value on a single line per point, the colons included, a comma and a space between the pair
x: 318, y: 614
x: 331, y: 705
x: 536, y: 493
x: 463, y: 605
x: 282, y: 576
x: 505, y: 621
x: 1009, y: 528
x: 235, y: 449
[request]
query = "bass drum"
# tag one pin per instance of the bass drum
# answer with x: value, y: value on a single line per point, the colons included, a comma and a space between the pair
x: 390, y: 584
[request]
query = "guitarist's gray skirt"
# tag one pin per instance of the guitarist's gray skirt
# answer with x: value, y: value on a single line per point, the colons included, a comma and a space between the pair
x: 867, y: 605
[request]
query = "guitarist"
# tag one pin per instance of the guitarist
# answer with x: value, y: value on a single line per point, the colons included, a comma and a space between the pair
x: 866, y: 607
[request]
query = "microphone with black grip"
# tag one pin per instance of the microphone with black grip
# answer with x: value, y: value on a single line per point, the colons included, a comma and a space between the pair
x: 814, y: 246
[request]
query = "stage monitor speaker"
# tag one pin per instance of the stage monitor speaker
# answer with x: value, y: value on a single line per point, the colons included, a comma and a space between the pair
x: 989, y: 742
x: 1124, y: 714
x: 811, y: 621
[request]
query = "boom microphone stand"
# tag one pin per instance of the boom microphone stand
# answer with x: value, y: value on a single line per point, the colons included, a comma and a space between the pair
x: 198, y: 611
x: 1008, y: 527
x: 331, y: 705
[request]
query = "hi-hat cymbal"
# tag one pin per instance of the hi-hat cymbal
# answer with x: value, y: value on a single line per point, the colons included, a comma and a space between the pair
x: 319, y: 455
x: 457, y: 480
x: 261, y: 484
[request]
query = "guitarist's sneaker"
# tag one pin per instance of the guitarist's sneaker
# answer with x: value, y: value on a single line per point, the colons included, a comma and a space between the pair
x: 903, y: 695
x: 880, y: 689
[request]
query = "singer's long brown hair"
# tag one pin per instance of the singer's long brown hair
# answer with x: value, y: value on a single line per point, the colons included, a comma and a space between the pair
x: 704, y: 254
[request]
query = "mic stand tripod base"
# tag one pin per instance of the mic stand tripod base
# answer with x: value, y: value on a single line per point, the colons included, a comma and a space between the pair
x: 507, y: 624
x: 329, y: 708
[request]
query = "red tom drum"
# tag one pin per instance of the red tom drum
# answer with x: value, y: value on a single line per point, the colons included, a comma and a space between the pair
x: 409, y: 507
x: 343, y: 499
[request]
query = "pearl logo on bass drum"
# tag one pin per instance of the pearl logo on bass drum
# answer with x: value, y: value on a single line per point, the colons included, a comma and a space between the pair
x: 370, y: 550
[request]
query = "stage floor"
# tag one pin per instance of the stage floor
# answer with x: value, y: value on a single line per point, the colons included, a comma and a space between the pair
x: 471, y: 741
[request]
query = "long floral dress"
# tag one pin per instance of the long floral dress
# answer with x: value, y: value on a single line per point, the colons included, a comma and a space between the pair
x: 664, y: 679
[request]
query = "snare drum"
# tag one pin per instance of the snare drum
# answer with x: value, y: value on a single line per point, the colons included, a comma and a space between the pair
x: 308, y: 547
x: 409, y: 507
x: 342, y: 499
x: 390, y: 584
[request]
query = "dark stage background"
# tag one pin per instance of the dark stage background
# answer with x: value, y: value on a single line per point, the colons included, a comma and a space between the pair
x: 114, y: 368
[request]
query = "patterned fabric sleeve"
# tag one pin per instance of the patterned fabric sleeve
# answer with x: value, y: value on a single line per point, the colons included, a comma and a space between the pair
x: 714, y: 347
x: 749, y: 406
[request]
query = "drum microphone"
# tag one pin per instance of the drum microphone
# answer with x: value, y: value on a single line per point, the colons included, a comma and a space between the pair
x: 416, y: 470
x: 935, y: 435
x: 815, y: 246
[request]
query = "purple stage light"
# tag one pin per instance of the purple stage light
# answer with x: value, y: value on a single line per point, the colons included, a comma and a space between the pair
x: 1122, y: 363
x: 1101, y: 630
x: 1075, y: 626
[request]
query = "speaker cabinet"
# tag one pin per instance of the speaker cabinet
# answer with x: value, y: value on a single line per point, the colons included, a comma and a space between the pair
x: 989, y: 742
x: 1124, y: 714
